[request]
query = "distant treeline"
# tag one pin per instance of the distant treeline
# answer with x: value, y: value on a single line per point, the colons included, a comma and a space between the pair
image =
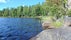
x: 26, y: 11
x: 54, y: 8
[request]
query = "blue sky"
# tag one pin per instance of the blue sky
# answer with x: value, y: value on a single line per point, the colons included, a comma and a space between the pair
x: 16, y: 3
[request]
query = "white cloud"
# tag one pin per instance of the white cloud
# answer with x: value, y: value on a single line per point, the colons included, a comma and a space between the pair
x: 23, y: 5
x: 3, y: 1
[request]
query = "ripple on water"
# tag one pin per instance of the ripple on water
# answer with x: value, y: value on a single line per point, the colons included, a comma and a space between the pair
x: 18, y: 28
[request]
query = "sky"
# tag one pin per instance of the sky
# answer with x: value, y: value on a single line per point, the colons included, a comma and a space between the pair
x: 16, y: 3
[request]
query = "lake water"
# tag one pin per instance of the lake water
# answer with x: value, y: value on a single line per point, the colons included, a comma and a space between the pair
x: 19, y: 28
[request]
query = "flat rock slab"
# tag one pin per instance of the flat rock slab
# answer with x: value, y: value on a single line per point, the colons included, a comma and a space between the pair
x: 54, y: 34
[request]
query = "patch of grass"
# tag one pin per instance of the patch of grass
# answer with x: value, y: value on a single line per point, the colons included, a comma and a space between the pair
x: 46, y: 18
x: 57, y: 24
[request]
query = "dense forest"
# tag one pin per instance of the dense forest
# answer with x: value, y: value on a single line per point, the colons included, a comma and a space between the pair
x: 26, y: 11
x: 56, y: 8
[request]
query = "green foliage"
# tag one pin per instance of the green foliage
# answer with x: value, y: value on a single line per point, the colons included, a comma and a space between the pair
x: 46, y: 18
x: 6, y: 12
x: 69, y: 12
x: 53, y: 8
x: 53, y: 22
x: 57, y: 24
x: 26, y: 11
x: 56, y: 8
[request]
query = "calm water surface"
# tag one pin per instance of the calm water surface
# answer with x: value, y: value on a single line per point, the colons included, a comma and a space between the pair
x: 19, y: 28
